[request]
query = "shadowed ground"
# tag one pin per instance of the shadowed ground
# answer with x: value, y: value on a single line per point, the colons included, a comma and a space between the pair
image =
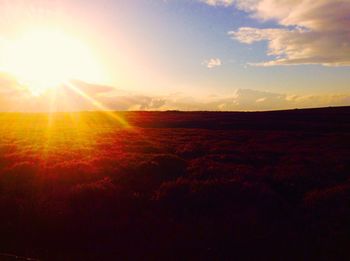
x: 175, y: 185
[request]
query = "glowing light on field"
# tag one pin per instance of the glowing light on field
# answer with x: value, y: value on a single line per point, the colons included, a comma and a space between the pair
x: 45, y: 62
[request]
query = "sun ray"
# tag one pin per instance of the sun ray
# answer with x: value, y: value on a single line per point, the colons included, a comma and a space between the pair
x: 114, y: 115
x: 98, y: 105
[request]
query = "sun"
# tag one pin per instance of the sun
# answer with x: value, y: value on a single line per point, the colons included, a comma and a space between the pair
x: 44, y: 59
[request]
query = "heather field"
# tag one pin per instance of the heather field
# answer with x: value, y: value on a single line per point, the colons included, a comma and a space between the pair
x: 176, y: 185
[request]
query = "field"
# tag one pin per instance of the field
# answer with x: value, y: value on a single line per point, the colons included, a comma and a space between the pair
x: 176, y: 185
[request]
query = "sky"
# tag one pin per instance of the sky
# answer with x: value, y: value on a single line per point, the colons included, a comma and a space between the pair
x: 173, y: 54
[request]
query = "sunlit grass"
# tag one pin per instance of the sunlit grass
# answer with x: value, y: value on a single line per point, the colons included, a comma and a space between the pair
x: 58, y: 134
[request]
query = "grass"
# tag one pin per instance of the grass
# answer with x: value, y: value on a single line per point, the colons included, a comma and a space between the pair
x: 152, y: 185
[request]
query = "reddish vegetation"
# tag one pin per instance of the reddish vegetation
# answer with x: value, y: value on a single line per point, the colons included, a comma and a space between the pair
x: 176, y: 185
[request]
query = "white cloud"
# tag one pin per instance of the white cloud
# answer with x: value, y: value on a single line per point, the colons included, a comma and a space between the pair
x: 310, y: 32
x: 218, y: 2
x: 251, y: 100
x: 212, y: 63
x: 261, y: 99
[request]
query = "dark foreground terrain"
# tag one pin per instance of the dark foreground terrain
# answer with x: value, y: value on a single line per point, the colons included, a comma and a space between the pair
x: 176, y: 186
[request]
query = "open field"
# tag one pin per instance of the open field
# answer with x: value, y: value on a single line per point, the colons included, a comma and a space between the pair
x: 175, y: 185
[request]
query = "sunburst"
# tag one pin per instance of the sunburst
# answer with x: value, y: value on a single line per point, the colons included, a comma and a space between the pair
x: 43, y: 59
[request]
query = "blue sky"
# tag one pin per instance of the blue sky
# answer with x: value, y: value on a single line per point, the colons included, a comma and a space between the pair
x: 181, y: 35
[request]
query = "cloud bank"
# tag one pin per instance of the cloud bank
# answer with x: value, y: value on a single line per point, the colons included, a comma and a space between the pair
x: 309, y: 32
x: 16, y: 98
